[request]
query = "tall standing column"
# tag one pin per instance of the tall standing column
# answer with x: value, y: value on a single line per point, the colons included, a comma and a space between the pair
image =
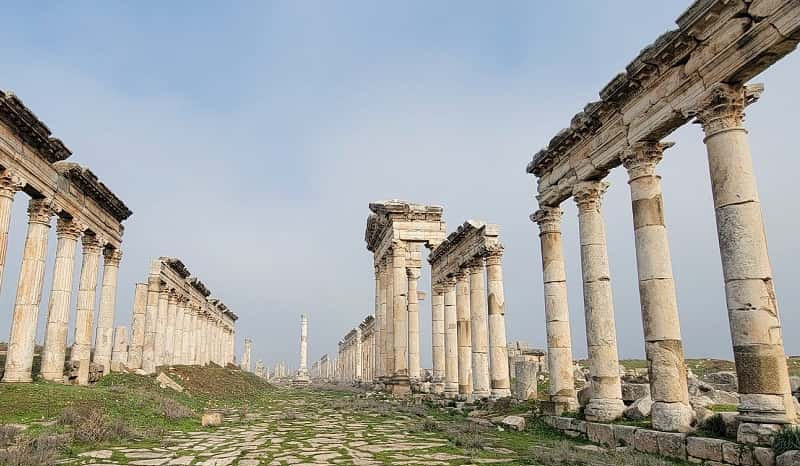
x: 169, y: 333
x: 302, y: 373
x: 10, y: 183
x: 248, y: 349
x: 556, y: 309
x: 138, y: 326
x: 749, y: 291
x: 358, y: 356
x: 177, y: 353
x: 104, y: 336
x: 662, y: 330
x: 400, y: 383
x: 437, y: 338
x: 464, y: 334
x: 388, y: 341
x: 501, y: 380
x: 19, y: 358
x: 194, y: 344
x: 379, y: 317
x: 187, y: 332
x: 450, y: 338
x: 55, y: 343
x: 413, y: 324
x: 151, y: 325
x: 481, y: 385
x: 601, y: 334
x: 161, y: 328
x: 84, y: 319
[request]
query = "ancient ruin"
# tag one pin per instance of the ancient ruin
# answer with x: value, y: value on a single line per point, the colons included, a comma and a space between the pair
x: 302, y: 378
x: 695, y: 73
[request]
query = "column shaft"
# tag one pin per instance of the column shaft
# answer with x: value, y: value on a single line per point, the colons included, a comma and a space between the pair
x: 400, y: 316
x: 388, y: 355
x: 378, y: 314
x: 177, y: 355
x: 501, y: 380
x: 138, y: 326
x: 169, y: 334
x: 151, y: 325
x: 413, y: 324
x: 104, y: 336
x: 84, y: 319
x: 437, y: 337
x: 450, y: 338
x: 9, y: 185
x: 464, y: 334
x: 481, y: 384
x: 161, y: 326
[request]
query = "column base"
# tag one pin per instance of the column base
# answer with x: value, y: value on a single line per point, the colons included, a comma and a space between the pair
x: 752, y: 433
x: 498, y: 393
x: 672, y: 417
x: 301, y: 381
x: 17, y: 378
x: 399, y: 385
x: 569, y: 402
x: 481, y: 394
x: 437, y: 388
x: 604, y: 409
x: 54, y: 377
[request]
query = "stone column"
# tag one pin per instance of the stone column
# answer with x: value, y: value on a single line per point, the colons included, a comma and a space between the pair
x: 19, y: 358
x: 194, y: 346
x: 151, y: 325
x: 161, y: 326
x: 169, y: 333
x: 358, y: 356
x: 601, y: 334
x: 413, y: 324
x: 104, y: 335
x: 400, y: 383
x: 302, y: 371
x: 55, y: 343
x: 379, y: 318
x: 388, y: 350
x: 450, y: 338
x: 525, y: 379
x: 248, y: 348
x: 464, y: 334
x: 177, y: 353
x: 138, y: 326
x: 119, y: 355
x: 556, y: 309
x: 87, y: 291
x: 662, y: 330
x: 187, y: 332
x: 10, y: 183
x: 749, y: 291
x: 481, y: 384
x: 501, y: 380
x: 438, y: 331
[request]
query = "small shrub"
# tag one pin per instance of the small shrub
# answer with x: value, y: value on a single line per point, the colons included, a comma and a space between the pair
x: 429, y: 425
x: 8, y: 434
x: 468, y: 440
x: 715, y: 425
x: 38, y: 451
x: 786, y: 439
x: 174, y: 410
x: 91, y: 426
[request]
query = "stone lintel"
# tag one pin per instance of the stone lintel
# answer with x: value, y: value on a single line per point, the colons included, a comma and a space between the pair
x: 472, y: 239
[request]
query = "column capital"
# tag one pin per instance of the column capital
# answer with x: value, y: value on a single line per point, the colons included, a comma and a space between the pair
x: 41, y: 210
x: 10, y: 183
x: 69, y: 228
x: 588, y: 194
x: 438, y: 288
x: 548, y: 219
x: 461, y: 274
x: 494, y: 254
x: 474, y: 265
x: 722, y: 107
x: 91, y: 244
x: 413, y: 273
x: 112, y: 256
x: 641, y: 158
x: 448, y: 283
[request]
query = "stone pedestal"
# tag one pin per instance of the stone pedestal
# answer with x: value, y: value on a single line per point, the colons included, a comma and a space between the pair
x: 749, y: 291
x: 601, y: 335
x: 662, y: 331
x: 81, y: 349
x: 108, y: 299
x: 19, y: 359
x: 55, y: 343
x: 464, y: 335
x: 525, y: 379
x: 450, y: 339
x: 559, y: 339
x: 500, y: 379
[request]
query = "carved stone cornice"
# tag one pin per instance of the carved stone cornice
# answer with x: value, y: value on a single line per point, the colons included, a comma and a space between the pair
x: 494, y: 254
x: 69, y: 228
x: 91, y: 244
x: 41, y: 210
x: 177, y: 265
x: 199, y: 286
x: 476, y: 263
x: 112, y: 257
x: 10, y: 183
x: 722, y: 108
x: 90, y: 185
x: 548, y: 219
x: 640, y: 159
x: 30, y: 129
x: 588, y: 195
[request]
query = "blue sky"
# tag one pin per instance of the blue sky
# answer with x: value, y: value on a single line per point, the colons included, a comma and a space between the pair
x: 249, y: 137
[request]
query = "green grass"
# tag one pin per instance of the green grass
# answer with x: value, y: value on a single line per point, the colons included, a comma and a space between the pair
x: 723, y: 408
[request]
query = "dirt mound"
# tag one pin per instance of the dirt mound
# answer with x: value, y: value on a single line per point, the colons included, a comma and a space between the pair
x: 218, y: 383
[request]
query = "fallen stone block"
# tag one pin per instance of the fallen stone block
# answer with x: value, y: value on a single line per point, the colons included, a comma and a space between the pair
x: 165, y: 382
x: 212, y: 419
x: 635, y: 391
x: 640, y: 408
x: 789, y: 458
x: 514, y: 423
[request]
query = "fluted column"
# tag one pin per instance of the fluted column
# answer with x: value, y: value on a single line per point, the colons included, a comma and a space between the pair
x: 10, y: 183
x: 378, y: 315
x: 359, y: 366
x: 84, y: 319
x: 162, y: 317
x: 19, y: 358
x: 55, y: 343
x: 104, y: 336
x: 501, y: 380
x: 662, y: 330
x: 169, y: 334
x: 138, y: 326
x: 400, y: 319
x: 413, y: 323
x: 193, y: 349
x: 464, y: 334
x: 177, y: 353
x: 187, y: 332
x: 151, y: 325
x: 481, y: 385
x: 437, y: 338
x: 388, y: 341
x: 559, y: 339
x: 749, y: 291
x: 601, y: 334
x: 450, y: 338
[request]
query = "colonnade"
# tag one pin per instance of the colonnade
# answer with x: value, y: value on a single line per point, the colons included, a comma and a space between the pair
x: 357, y: 353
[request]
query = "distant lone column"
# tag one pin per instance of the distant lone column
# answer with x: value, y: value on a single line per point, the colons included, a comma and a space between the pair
x: 437, y: 330
x: 450, y: 338
x: 138, y: 326
x: 501, y: 380
x: 55, y: 343
x: 413, y: 324
x: 302, y: 373
x: 662, y: 330
x: 464, y: 334
x: 481, y: 383
x: 601, y: 336
x: 559, y: 339
x: 19, y: 358
x: 87, y: 292
x: 151, y: 325
x: 246, y: 355
x: 104, y: 336
x: 10, y: 183
x: 749, y: 291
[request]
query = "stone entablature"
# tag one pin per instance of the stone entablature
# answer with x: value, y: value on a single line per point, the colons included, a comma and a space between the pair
x: 662, y: 88
x: 395, y: 220
x: 472, y: 239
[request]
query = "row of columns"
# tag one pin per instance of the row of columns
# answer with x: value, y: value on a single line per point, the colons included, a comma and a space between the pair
x: 750, y: 295
x: 470, y: 353
x: 19, y: 359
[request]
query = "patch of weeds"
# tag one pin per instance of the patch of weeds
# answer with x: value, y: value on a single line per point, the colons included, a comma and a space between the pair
x: 564, y: 453
x: 8, y: 434
x: 724, y: 408
x: 715, y: 426
x: 174, y: 410
x: 34, y: 451
x: 786, y: 439
x: 91, y: 426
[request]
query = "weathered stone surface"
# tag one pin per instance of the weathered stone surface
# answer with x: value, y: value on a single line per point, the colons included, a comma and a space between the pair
x: 634, y: 391
x: 165, y: 381
x: 625, y: 435
x: 212, y: 419
x: 640, y: 408
x: 600, y: 433
x: 672, y: 445
x: 704, y: 448
x: 763, y: 456
x: 514, y: 422
x: 646, y: 440
x: 789, y: 458
x: 756, y: 434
